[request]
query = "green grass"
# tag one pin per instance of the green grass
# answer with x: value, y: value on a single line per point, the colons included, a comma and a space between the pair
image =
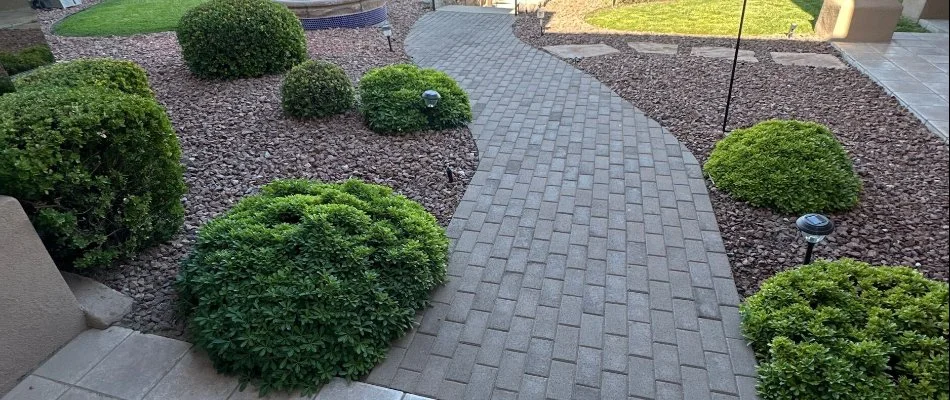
x: 711, y: 17
x: 908, y: 25
x: 126, y: 17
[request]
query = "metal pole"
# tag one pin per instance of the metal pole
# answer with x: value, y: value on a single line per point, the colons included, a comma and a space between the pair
x: 808, y: 253
x: 433, y: 5
x: 735, y: 60
x: 390, y: 40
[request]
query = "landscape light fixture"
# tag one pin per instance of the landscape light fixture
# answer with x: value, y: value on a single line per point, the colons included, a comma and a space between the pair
x: 791, y: 31
x: 388, y: 33
x: 732, y: 76
x: 431, y: 98
x: 541, y: 19
x: 814, y: 228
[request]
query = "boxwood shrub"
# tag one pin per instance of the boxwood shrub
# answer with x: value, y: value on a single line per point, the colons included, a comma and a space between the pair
x: 224, y: 39
x: 26, y: 59
x: 310, y: 280
x: 789, y: 166
x: 124, y: 76
x: 96, y: 170
x: 391, y: 99
x: 6, y: 85
x: 847, y: 330
x: 316, y: 89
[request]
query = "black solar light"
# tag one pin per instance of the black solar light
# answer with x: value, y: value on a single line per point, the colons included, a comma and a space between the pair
x: 541, y: 19
x: 388, y: 33
x: 814, y: 228
x: 431, y: 98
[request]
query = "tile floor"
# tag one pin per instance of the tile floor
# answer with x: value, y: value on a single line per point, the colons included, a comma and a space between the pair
x: 913, y: 67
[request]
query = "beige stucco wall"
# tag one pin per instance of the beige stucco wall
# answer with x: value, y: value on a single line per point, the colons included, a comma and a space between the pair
x: 38, y: 313
x: 858, y: 20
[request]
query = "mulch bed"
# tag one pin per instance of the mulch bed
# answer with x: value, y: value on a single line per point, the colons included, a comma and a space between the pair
x: 235, y: 139
x: 904, y: 212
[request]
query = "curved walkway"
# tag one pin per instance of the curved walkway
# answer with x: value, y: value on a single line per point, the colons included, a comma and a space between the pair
x: 586, y: 259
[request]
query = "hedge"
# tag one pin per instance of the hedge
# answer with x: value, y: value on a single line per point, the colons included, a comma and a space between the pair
x: 26, y: 59
x: 124, y: 76
x: 392, y: 103
x: 316, y: 89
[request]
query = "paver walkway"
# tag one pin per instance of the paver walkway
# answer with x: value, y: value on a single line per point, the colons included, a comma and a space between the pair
x: 586, y: 259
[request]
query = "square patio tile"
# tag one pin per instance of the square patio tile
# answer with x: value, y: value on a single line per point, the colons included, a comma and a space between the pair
x: 74, y: 360
x: 808, y: 60
x: 340, y: 389
x: 76, y: 393
x: 580, y: 50
x: 723, y: 52
x: 193, y: 378
x: 133, y: 368
x: 654, y: 48
x: 36, y: 388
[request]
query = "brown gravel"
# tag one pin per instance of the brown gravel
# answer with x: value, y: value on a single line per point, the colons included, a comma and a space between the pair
x: 904, y: 214
x: 234, y: 139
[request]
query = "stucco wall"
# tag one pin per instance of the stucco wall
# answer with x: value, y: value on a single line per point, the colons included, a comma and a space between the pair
x: 38, y: 313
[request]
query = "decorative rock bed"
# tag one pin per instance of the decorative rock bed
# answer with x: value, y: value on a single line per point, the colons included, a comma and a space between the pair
x: 325, y: 14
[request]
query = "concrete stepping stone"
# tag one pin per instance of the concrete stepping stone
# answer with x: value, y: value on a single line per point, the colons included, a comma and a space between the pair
x: 807, y: 59
x: 723, y: 52
x: 102, y: 305
x: 654, y: 48
x: 580, y: 50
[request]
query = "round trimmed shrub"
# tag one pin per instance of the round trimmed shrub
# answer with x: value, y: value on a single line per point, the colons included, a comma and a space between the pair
x: 847, y: 330
x: 309, y: 280
x: 6, y: 85
x: 226, y: 39
x: 97, y: 171
x: 316, y: 89
x: 391, y: 99
x: 789, y: 166
x: 26, y: 59
x: 124, y: 76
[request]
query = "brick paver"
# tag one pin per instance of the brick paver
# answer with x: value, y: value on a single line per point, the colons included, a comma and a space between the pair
x: 586, y: 260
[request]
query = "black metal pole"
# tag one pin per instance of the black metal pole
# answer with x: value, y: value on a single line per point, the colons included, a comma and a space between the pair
x: 433, y: 5
x: 516, y: 7
x: 390, y: 40
x: 735, y: 60
x: 808, y: 253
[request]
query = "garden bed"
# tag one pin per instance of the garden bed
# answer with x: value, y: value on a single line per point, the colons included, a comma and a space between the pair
x: 903, y: 215
x: 234, y: 139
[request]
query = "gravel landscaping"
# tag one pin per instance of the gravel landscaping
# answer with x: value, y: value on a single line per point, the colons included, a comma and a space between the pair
x: 903, y: 216
x: 235, y: 139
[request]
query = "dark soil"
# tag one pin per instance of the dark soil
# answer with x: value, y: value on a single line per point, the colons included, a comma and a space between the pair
x: 235, y: 139
x: 904, y: 213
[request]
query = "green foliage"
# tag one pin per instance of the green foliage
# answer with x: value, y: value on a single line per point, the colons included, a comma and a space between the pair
x: 790, y: 166
x: 847, y: 330
x: 310, y: 280
x: 392, y: 103
x: 225, y: 39
x: 124, y: 76
x: 6, y: 85
x: 26, y: 59
x: 97, y: 171
x: 316, y: 89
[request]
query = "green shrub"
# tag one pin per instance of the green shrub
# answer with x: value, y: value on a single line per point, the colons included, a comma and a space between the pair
x: 310, y: 280
x: 392, y: 102
x: 6, y: 85
x: 227, y: 39
x: 847, y: 330
x: 316, y: 89
x: 790, y: 166
x: 124, y: 76
x: 97, y: 171
x: 26, y: 59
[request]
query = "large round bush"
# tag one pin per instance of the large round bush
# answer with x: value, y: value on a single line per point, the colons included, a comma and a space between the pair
x: 316, y: 89
x: 97, y: 171
x: 124, y: 76
x: 790, y: 166
x: 391, y: 99
x: 227, y: 39
x: 846, y: 330
x: 23, y: 60
x: 309, y: 280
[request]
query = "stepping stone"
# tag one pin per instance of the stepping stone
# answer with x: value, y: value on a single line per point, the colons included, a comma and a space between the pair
x: 653, y: 47
x: 807, y: 59
x: 723, y: 52
x: 102, y: 305
x: 580, y: 50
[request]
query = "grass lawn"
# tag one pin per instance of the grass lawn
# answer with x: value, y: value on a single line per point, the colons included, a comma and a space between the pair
x: 126, y: 17
x: 716, y: 17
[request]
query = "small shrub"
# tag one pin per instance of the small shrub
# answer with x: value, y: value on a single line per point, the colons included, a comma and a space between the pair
x: 26, y: 59
x: 227, y: 39
x: 124, y: 76
x: 6, y: 85
x: 392, y: 103
x: 316, y: 89
x: 310, y: 280
x: 97, y: 171
x: 846, y: 330
x: 790, y: 166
